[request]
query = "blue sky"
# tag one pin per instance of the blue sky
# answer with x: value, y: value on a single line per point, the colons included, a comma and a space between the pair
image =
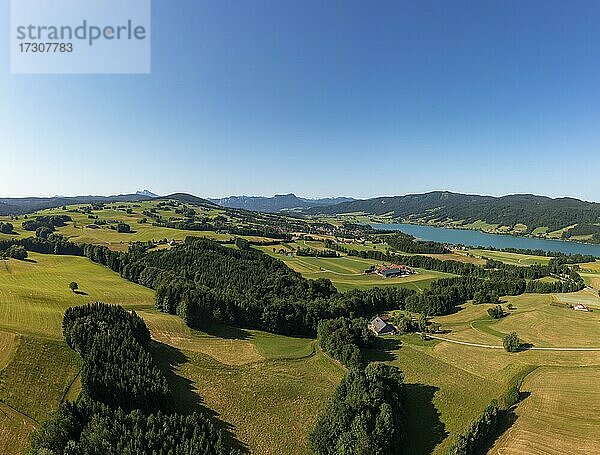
x: 322, y: 98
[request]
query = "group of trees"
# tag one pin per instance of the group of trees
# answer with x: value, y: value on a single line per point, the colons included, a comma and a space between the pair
x: 496, y: 312
x: 106, y: 336
x: 53, y: 244
x: 511, y: 342
x: 125, y: 405
x: 342, y: 338
x: 365, y: 414
x: 473, y: 440
x: 14, y: 252
x: 6, y: 228
x: 122, y: 228
x: 50, y: 222
x: 317, y: 253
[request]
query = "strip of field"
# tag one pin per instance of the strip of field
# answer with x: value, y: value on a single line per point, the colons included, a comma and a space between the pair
x: 559, y: 416
x: 511, y: 258
x: 38, y: 376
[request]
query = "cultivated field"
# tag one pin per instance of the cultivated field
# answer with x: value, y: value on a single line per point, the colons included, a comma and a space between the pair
x: 559, y: 416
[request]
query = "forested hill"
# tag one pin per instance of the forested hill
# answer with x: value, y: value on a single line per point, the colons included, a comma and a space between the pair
x: 440, y: 206
x: 276, y: 203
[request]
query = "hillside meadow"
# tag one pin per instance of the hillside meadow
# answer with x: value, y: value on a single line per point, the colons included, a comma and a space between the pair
x: 224, y: 369
x: 266, y: 390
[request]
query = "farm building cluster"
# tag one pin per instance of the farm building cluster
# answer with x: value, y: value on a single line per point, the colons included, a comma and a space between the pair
x: 391, y: 271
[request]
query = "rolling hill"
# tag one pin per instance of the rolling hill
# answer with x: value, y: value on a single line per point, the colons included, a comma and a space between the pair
x: 18, y: 206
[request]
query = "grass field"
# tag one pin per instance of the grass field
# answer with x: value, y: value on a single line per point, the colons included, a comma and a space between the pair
x: 267, y: 390
x: 225, y: 369
x: 35, y: 293
x: 269, y: 402
x: 347, y: 272
x: 560, y: 415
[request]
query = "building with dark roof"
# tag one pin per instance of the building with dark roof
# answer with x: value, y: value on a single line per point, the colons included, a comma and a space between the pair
x: 381, y: 327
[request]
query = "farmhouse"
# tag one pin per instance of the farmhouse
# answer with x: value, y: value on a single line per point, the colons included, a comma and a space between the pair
x: 393, y: 270
x: 381, y: 327
x: 580, y: 307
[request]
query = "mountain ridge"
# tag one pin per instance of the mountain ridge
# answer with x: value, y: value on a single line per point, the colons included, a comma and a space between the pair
x: 444, y: 206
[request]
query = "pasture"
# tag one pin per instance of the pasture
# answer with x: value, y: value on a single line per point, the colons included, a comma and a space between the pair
x: 347, y: 272
x: 225, y: 369
x: 450, y: 384
x: 35, y: 293
x: 266, y: 390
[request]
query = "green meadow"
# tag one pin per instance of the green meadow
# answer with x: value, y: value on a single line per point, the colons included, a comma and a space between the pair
x: 224, y: 369
x: 266, y: 390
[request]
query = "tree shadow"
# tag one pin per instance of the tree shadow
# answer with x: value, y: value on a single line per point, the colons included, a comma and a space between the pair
x: 525, y: 347
x: 78, y: 292
x: 224, y: 331
x: 506, y: 420
x: 424, y: 429
x: 383, y: 350
x: 33, y: 261
x: 186, y: 400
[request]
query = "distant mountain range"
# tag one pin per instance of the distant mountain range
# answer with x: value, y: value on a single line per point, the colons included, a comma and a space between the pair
x: 444, y: 207
x: 277, y: 203
x: 438, y: 207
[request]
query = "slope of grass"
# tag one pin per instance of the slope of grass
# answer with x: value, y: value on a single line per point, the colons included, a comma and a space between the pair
x: 35, y: 293
x: 559, y: 416
x: 38, y: 376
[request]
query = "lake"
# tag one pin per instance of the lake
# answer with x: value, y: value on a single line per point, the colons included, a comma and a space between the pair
x: 477, y: 238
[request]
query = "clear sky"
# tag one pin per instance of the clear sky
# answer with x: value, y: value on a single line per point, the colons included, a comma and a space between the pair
x: 322, y: 98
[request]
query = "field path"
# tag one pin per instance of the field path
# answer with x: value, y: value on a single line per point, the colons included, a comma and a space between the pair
x: 491, y: 346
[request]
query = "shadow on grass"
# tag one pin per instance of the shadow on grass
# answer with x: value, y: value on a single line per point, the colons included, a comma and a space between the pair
x: 505, y: 421
x: 185, y: 398
x: 424, y: 429
x: 80, y: 292
x: 383, y: 350
x: 33, y: 261
x: 525, y: 347
x: 224, y: 331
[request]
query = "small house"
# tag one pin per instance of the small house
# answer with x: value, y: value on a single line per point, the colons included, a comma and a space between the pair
x: 380, y: 327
